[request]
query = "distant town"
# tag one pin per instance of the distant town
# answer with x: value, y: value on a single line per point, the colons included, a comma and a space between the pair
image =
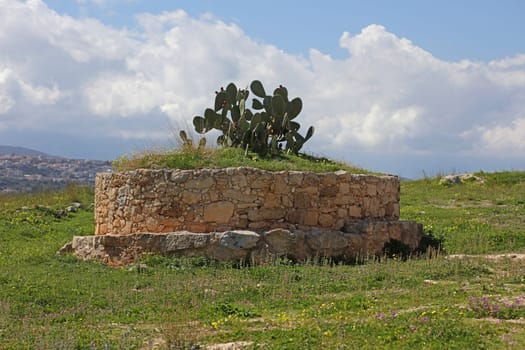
x: 30, y: 173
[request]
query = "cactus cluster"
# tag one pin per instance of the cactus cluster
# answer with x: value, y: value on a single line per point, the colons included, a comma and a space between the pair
x: 269, y: 130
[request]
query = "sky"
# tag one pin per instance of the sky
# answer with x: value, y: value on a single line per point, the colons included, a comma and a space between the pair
x: 413, y: 88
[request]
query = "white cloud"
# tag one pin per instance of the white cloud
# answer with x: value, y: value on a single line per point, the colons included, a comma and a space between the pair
x: 505, y: 140
x: 375, y: 127
x: 13, y: 87
x: 96, y: 2
x: 181, y: 61
x: 6, y: 103
x: 122, y: 95
x: 387, y: 95
x: 82, y: 39
x: 41, y: 95
x: 102, y: 3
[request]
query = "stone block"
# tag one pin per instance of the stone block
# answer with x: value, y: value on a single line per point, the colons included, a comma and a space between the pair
x: 219, y: 212
x: 191, y: 197
x: 325, y: 240
x: 185, y: 240
x: 280, y: 186
x: 280, y: 241
x: 296, y: 216
x: 201, y: 182
x: 272, y: 200
x: 311, y: 218
x: 326, y: 220
x: 329, y: 191
x: 239, y: 239
x: 328, y: 179
x: 272, y: 213
x: 301, y: 201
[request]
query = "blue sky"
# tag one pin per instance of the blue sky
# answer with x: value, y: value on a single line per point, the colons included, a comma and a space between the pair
x: 405, y: 87
x: 450, y: 29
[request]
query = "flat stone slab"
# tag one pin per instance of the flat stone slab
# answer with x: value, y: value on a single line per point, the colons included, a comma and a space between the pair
x: 358, y: 240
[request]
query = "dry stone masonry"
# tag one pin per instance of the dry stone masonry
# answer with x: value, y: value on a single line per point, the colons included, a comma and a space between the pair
x: 211, y: 200
x: 244, y: 213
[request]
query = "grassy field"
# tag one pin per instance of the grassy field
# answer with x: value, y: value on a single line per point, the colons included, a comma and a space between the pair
x: 49, y: 301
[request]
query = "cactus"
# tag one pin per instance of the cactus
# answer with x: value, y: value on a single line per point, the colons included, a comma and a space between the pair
x: 269, y: 130
x: 185, y: 140
x: 188, y: 142
x: 257, y: 88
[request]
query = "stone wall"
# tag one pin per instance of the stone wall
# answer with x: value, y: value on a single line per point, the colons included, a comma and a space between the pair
x: 358, y: 241
x: 211, y: 200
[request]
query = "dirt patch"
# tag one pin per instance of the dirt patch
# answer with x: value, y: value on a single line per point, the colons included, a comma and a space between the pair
x: 231, y: 346
x: 499, y: 320
x: 509, y: 256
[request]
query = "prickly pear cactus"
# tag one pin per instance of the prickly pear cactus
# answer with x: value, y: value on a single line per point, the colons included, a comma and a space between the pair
x: 269, y: 130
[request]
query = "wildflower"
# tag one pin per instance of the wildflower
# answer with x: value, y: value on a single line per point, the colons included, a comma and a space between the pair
x: 433, y: 312
x: 445, y: 310
x: 495, y: 308
x: 380, y: 316
x: 283, y: 317
x: 394, y: 313
x: 508, y: 338
x: 423, y: 313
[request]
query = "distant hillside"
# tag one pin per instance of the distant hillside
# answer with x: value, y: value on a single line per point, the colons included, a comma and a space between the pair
x: 21, y: 151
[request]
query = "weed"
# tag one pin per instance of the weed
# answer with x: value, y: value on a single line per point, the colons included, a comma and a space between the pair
x: 497, y: 307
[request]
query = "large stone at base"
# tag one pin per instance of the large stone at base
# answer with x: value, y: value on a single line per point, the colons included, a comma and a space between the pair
x: 357, y: 240
x: 377, y: 233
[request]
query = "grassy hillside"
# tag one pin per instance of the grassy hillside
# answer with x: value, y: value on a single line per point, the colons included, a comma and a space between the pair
x: 56, y: 302
x: 476, y: 217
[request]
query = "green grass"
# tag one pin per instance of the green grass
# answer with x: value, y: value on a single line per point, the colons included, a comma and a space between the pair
x: 194, y: 158
x: 471, y: 218
x: 49, y: 301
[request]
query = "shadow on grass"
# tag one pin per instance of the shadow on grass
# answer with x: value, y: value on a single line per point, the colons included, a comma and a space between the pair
x: 429, y: 246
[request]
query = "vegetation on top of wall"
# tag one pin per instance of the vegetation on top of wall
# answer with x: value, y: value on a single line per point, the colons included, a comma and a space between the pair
x: 271, y: 129
x: 267, y: 138
x: 191, y: 157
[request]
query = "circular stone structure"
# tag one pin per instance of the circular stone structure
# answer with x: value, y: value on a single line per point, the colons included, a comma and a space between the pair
x: 241, y: 213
